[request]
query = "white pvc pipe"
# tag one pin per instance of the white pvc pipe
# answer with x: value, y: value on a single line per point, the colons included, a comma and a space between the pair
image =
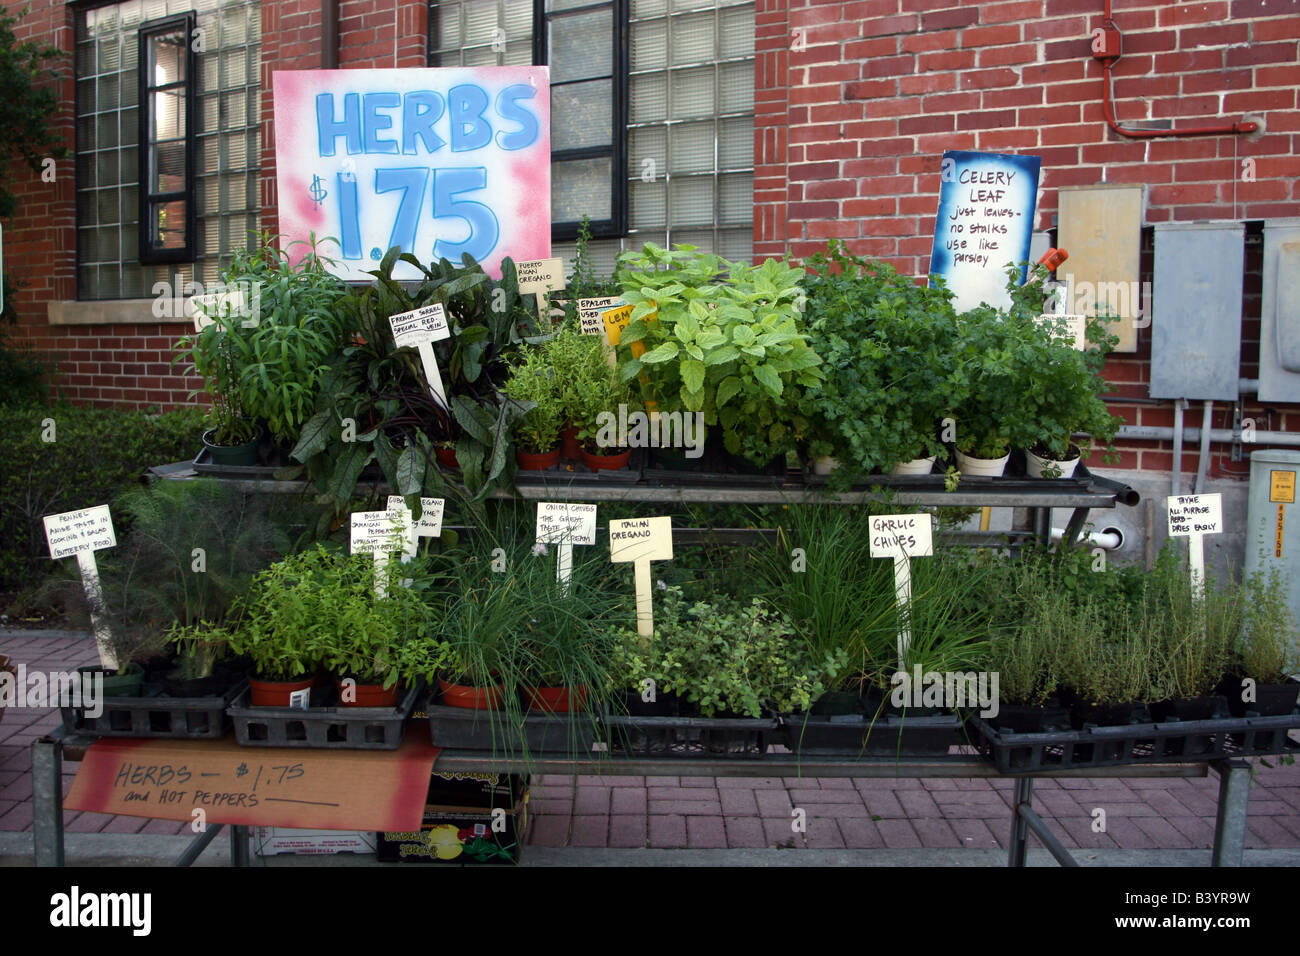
x: 1203, y: 460
x: 1110, y: 539
x: 1176, y: 477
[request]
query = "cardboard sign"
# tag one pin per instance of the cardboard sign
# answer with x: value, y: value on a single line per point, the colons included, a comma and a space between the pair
x: 563, y: 522
x: 615, y: 321
x: 283, y: 787
x: 540, y: 275
x: 984, y: 223
x: 426, y: 324
x: 431, y: 510
x: 637, y: 539
x: 438, y: 162
x: 901, y: 535
x: 90, y: 529
x: 380, y: 532
x: 1281, y: 487
x: 1195, y: 514
x: 1073, y: 327
x: 591, y: 310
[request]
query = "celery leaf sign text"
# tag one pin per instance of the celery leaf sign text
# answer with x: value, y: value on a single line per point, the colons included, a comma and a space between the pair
x: 438, y: 162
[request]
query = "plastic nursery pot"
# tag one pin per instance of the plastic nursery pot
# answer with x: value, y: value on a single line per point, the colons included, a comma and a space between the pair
x: 825, y: 465
x: 837, y: 703
x: 126, y: 684
x: 1188, y: 708
x: 245, y: 454
x: 673, y: 459
x: 531, y: 461
x: 557, y: 700
x: 369, y: 695
x: 971, y: 467
x: 213, y: 686
x: 605, y: 462
x: 470, y: 697
x: 917, y: 466
x: 1271, y: 700
x: 1021, y: 719
x: 446, y: 457
x: 1103, y: 715
x: 276, y: 693
x: 570, y: 447
x: 741, y: 465
x: 664, y: 705
x: 1037, y: 466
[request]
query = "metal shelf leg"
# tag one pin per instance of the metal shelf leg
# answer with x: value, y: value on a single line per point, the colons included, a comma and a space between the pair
x: 238, y: 846
x: 1019, y: 828
x: 47, y: 802
x: 1230, y: 824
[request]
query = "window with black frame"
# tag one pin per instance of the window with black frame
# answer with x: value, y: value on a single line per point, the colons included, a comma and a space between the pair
x: 167, y: 140
x: 675, y: 78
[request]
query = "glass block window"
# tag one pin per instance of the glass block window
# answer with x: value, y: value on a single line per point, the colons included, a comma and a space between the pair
x: 690, y: 117
x: 226, y: 143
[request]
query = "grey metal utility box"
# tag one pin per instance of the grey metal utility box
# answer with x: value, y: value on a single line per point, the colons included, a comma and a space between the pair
x: 1279, y: 327
x: 1273, y: 522
x: 1196, y: 320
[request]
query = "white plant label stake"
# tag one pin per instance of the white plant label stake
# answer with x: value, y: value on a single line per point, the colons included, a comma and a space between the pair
x: 540, y: 277
x: 421, y: 328
x: 380, y: 533
x: 82, y: 533
x: 429, y: 525
x: 639, y: 541
x: 1192, y: 517
x: 902, y: 537
x: 565, y: 524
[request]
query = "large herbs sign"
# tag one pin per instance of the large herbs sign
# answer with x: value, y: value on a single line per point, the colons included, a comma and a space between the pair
x: 441, y: 163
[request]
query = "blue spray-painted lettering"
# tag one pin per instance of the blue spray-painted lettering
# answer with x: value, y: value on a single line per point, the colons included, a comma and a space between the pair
x: 330, y: 129
x: 374, y: 121
x: 469, y: 130
x: 509, y: 110
x: 418, y: 123
x: 411, y: 180
x: 349, y: 215
x: 484, y: 230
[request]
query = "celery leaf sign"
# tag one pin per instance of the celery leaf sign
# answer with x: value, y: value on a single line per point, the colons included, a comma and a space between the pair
x: 439, y: 162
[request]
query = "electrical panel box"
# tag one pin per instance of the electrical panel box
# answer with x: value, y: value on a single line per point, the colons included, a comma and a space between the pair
x: 1101, y: 228
x: 1196, y: 318
x: 1273, y: 521
x: 1279, y: 327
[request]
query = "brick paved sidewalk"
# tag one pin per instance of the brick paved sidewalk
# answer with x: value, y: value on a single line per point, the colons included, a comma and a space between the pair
x: 706, y: 812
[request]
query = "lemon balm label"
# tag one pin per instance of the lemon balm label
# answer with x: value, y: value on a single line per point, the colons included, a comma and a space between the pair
x: 438, y: 162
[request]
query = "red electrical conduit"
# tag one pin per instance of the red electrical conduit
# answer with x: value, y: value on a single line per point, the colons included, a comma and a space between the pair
x: 1108, y: 106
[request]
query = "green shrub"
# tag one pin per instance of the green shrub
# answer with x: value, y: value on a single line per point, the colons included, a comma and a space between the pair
x: 96, y: 454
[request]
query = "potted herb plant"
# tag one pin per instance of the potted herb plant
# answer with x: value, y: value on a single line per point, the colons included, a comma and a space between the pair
x: 214, y: 353
x: 596, y: 414
x: 1264, y: 651
x: 535, y: 384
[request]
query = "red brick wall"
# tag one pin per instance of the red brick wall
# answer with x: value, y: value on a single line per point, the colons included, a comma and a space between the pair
x: 855, y: 103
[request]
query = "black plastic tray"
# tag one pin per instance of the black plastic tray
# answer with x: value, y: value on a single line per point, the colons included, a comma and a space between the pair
x: 855, y: 735
x: 336, y: 728
x: 191, y: 718
x: 734, y: 737
x: 575, y: 472
x: 459, y: 728
x: 1189, y: 741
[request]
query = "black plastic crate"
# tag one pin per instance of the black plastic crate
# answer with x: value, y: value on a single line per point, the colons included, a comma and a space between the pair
x: 1190, y: 741
x: 459, y: 728
x: 191, y: 718
x: 737, y: 737
x: 854, y: 735
x: 341, y: 728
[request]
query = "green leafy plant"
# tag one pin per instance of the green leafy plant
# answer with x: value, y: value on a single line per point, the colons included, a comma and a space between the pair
x: 1266, y: 649
x: 535, y: 383
x: 214, y: 354
x: 887, y: 346
x: 197, y: 648
x: 720, y: 338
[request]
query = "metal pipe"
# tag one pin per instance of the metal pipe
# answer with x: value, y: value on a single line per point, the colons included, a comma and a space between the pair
x: 1203, y: 460
x: 329, y: 34
x: 1218, y: 436
x: 1176, y: 478
x: 198, y: 845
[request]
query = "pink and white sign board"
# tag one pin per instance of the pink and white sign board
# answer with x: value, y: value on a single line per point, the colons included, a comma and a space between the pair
x: 437, y: 161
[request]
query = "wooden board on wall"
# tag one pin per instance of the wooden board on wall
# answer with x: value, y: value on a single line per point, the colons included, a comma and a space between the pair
x: 1101, y: 228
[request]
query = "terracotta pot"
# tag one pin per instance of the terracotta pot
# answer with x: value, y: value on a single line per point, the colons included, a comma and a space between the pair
x: 534, y: 462
x: 605, y: 462
x: 446, y: 457
x: 370, y: 695
x: 470, y: 697
x: 275, y: 693
x: 557, y: 700
x: 570, y: 447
